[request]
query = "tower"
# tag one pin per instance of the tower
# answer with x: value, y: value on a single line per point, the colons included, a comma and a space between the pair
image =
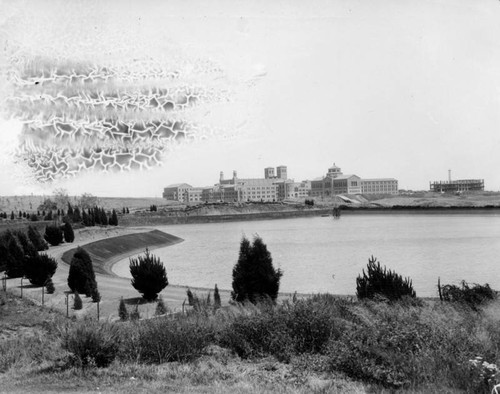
x: 269, y: 172
x: 282, y: 172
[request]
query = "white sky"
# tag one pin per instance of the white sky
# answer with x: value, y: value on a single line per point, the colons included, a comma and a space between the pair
x: 389, y: 88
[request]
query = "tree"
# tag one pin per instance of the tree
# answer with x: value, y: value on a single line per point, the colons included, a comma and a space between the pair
x: 14, y: 267
x: 122, y: 310
x: 47, y: 205
x: 61, y: 198
x: 77, y: 305
x: 217, y: 302
x: 113, y: 221
x: 12, y: 216
x: 254, y: 277
x: 382, y: 282
x: 50, y: 286
x: 96, y: 296
x: 149, y: 276
x: 48, y: 216
x: 77, y: 216
x: 27, y: 246
x: 87, y: 201
x: 53, y: 234
x: 69, y: 235
x: 39, y: 268
x: 81, y: 275
x: 36, y: 239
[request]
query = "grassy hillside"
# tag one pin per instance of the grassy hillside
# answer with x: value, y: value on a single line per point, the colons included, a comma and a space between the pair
x: 315, y: 345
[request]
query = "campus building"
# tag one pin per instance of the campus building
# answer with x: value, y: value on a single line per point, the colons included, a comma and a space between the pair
x: 457, y: 186
x: 275, y: 186
x: 335, y: 183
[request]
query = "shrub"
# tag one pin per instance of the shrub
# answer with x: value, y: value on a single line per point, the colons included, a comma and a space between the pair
x: 135, y: 314
x: 254, y: 276
x: 190, y: 296
x: 81, y: 276
x: 472, y: 296
x: 69, y: 235
x: 122, y: 310
x: 77, y: 304
x: 53, y: 234
x: 39, y: 268
x: 148, y: 275
x: 165, y: 340
x: 36, y: 239
x: 382, y: 282
x: 96, y: 296
x: 93, y: 343
x: 50, y: 287
x: 161, y: 309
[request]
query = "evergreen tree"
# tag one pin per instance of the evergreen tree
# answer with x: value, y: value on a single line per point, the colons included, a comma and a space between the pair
x: 77, y: 217
x: 217, y: 302
x: 39, y: 268
x: 128, y: 210
x: 78, y: 304
x: 27, y: 246
x: 114, y: 219
x: 36, y: 239
x: 20, y: 214
x: 149, y: 276
x: 254, y: 277
x: 12, y: 217
x: 96, y: 296
x: 70, y: 210
x: 69, y: 235
x: 53, y: 234
x: 104, y: 217
x: 123, y: 210
x: 81, y: 276
x: 50, y: 287
x: 190, y: 297
x: 122, y: 310
x: 14, y: 267
x: 48, y: 216
x: 24, y: 214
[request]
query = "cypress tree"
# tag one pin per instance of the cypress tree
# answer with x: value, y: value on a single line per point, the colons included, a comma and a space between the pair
x: 254, y: 277
x: 149, y: 276
x: 39, y: 268
x: 12, y: 217
x: 122, y: 310
x: 36, y: 239
x: 53, y: 234
x: 15, y: 258
x: 217, y: 302
x: 69, y: 235
x: 81, y: 275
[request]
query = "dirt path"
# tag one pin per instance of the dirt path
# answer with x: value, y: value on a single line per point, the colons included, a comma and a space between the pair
x: 111, y: 288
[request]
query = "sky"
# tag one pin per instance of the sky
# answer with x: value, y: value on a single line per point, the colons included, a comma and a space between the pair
x: 405, y: 89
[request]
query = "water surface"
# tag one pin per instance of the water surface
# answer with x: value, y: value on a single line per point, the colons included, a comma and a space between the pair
x: 320, y: 254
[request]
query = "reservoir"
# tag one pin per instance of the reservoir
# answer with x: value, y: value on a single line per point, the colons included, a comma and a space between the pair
x: 322, y: 254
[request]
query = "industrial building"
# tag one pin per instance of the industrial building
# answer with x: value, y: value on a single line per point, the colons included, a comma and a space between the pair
x: 457, y: 186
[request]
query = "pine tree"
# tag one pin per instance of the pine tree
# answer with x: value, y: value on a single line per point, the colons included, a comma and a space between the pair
x: 12, y: 217
x: 96, y: 296
x: 70, y: 210
x: 254, y: 277
x: 114, y: 219
x: 77, y: 304
x: 149, y: 276
x: 122, y: 310
x: 39, y: 268
x: 77, y: 217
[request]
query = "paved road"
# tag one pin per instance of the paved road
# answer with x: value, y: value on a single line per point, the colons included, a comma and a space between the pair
x: 111, y: 288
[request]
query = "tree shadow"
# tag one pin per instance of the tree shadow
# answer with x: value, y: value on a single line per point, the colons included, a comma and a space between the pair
x: 29, y: 286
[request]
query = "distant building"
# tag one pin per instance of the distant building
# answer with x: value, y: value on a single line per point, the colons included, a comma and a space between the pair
x: 379, y: 186
x: 460, y: 185
x: 275, y: 186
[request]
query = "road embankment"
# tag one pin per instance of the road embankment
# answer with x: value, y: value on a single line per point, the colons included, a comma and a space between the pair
x: 108, y: 251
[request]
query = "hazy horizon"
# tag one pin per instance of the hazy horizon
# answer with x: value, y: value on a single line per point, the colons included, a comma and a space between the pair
x: 399, y: 89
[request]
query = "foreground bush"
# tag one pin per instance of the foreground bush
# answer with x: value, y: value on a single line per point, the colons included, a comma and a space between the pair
x: 149, y: 276
x: 378, y: 281
x: 92, y: 343
x: 163, y: 340
x: 40, y: 268
x: 472, y: 296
